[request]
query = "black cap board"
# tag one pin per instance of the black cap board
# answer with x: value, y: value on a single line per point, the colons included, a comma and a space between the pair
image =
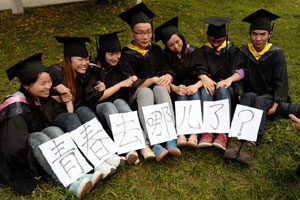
x: 109, y: 42
x: 74, y: 46
x: 260, y: 20
x: 27, y: 68
x: 166, y: 30
x: 140, y: 13
x: 217, y: 25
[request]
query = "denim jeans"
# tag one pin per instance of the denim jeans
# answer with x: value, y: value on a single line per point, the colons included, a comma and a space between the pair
x: 70, y: 121
x: 219, y: 94
x: 36, y: 139
x: 146, y: 97
x: 195, y: 96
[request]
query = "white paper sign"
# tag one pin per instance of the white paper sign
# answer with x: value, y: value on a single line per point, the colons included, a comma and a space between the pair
x: 159, y: 123
x: 216, y: 117
x: 188, y: 117
x: 245, y: 123
x: 94, y: 142
x: 127, y: 132
x: 65, y: 159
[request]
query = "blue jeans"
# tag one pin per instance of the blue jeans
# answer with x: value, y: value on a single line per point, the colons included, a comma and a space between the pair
x: 107, y: 108
x: 36, y: 139
x: 70, y: 121
x: 195, y: 96
x: 219, y: 94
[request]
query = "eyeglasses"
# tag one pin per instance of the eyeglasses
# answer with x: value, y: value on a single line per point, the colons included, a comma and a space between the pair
x: 141, y: 33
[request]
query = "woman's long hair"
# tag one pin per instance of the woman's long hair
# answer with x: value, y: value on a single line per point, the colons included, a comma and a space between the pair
x: 70, y: 76
x: 42, y: 113
x: 104, y: 65
x: 184, y: 50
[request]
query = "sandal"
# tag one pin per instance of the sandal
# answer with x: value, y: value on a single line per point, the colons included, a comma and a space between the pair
x: 181, y: 141
x: 193, y: 141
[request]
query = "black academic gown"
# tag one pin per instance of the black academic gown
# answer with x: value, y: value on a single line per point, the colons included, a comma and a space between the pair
x: 147, y: 66
x: 87, y: 95
x: 110, y: 76
x: 268, y: 75
x: 220, y: 64
x: 187, y: 69
x: 18, y: 167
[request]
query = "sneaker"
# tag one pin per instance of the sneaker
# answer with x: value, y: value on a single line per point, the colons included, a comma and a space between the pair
x: 159, y: 152
x: 220, y: 141
x: 106, y: 169
x: 247, y: 153
x: 206, y: 140
x: 115, y: 160
x: 147, y: 153
x: 181, y: 141
x: 94, y: 178
x: 193, y: 141
x: 233, y: 148
x: 172, y: 148
x: 131, y: 157
x: 81, y: 187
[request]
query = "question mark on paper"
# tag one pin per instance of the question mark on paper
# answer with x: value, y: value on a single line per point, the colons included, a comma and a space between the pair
x: 247, y: 120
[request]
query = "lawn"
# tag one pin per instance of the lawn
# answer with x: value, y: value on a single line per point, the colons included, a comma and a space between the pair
x: 198, y: 173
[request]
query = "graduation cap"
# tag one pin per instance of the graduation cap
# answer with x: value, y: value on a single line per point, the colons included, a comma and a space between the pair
x: 166, y: 30
x: 217, y: 26
x: 74, y: 46
x: 137, y: 14
x: 26, y: 68
x: 109, y: 42
x: 260, y: 20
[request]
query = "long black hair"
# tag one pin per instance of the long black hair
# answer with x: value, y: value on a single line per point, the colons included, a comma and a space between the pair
x: 44, y: 113
x: 184, y: 50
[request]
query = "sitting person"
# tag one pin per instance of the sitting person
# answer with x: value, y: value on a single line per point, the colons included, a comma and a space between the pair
x: 76, y: 75
x: 143, y: 59
x: 30, y: 112
x: 265, y: 84
x: 109, y: 54
x: 185, y: 61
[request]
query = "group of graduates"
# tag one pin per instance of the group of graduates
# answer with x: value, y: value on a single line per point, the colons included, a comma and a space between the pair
x: 60, y: 98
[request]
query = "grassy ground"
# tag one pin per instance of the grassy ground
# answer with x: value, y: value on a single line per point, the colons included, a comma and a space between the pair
x: 200, y: 173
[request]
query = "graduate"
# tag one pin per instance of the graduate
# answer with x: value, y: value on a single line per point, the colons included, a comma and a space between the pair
x: 186, y: 61
x: 26, y: 122
x: 220, y: 55
x: 115, y: 101
x: 143, y: 59
x: 76, y: 75
x: 265, y: 84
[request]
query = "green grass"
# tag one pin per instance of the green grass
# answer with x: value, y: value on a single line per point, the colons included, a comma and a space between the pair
x: 197, y: 174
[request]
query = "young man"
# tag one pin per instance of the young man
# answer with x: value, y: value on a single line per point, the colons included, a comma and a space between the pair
x: 265, y: 84
x: 220, y: 56
x: 144, y: 60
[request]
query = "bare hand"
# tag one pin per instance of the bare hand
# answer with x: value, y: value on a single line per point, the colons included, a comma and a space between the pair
x: 295, y: 121
x: 65, y: 98
x: 181, y: 90
x: 126, y: 83
x: 227, y: 82
x: 100, y: 86
x: 164, y: 80
x: 271, y: 111
x: 61, y: 89
x: 192, y: 89
x: 133, y: 78
x: 208, y: 84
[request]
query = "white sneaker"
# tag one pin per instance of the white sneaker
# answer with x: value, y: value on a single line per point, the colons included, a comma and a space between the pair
x: 147, y: 153
x: 115, y: 160
x: 106, y: 169
x: 132, y: 157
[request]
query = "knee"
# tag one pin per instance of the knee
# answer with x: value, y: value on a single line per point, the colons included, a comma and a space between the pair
x: 144, y: 92
x: 37, y: 138
x: 104, y: 106
x: 158, y: 89
x: 53, y: 131
x: 249, y: 95
x: 83, y: 109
